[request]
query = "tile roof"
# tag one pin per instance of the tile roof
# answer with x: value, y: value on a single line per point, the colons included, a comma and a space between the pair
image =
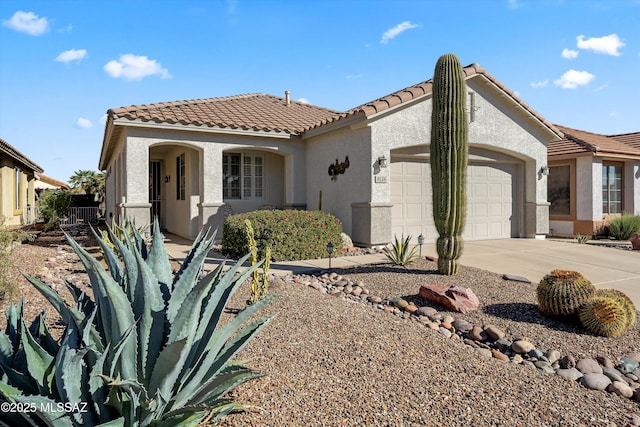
x: 632, y: 139
x: 6, y: 148
x: 52, y: 181
x: 258, y: 112
x: 579, y: 142
x: 424, y: 88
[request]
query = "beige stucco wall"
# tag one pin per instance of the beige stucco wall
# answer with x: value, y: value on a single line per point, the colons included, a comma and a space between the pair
x: 129, y: 177
x: 8, y: 211
x: 354, y: 186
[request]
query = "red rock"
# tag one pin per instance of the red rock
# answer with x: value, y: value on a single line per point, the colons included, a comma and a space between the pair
x: 499, y: 355
x: 453, y: 297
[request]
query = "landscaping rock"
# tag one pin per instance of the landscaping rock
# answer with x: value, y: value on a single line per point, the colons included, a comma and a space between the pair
x: 567, y: 362
x: 462, y: 325
x: 426, y: 311
x: 494, y: 332
x: 499, y: 355
x: 589, y: 366
x: 627, y: 365
x: 478, y: 334
x: 522, y: 346
x: 571, y: 373
x: 595, y: 381
x: 453, y: 297
x: 621, y: 389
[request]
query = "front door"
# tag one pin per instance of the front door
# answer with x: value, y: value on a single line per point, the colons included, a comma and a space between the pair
x: 154, y: 189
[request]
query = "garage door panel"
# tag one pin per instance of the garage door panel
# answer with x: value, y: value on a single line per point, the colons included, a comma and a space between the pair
x: 489, y: 200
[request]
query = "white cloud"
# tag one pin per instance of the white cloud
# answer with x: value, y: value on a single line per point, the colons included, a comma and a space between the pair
x: 569, y: 54
x: 607, y: 44
x: 601, y: 87
x: 132, y: 67
x: 303, y: 100
x: 83, y: 123
x: 572, y: 79
x: 395, y: 31
x: 27, y: 22
x: 514, y: 4
x: 72, y: 55
x: 540, y: 84
x: 353, y: 76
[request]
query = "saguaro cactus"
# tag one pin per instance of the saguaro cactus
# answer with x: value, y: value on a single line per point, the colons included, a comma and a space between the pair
x: 449, y: 156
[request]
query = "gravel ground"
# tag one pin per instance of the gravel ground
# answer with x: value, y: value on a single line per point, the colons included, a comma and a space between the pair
x: 331, y: 362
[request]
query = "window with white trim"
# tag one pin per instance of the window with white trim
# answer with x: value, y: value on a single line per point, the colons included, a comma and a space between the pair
x: 243, y: 176
x: 611, y: 189
x: 18, y: 199
x: 181, y: 182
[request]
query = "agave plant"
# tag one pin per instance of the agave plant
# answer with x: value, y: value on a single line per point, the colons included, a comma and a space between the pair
x: 147, y: 350
x: 401, y: 252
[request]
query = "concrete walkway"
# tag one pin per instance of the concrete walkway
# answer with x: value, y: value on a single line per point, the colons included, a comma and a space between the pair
x: 605, y: 267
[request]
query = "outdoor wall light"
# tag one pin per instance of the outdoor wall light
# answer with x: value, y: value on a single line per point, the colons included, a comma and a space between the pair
x: 544, y: 171
x: 329, y: 251
x: 382, y: 161
x: 167, y: 179
x: 420, y: 243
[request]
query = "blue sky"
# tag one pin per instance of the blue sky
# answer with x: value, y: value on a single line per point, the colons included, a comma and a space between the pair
x: 63, y: 64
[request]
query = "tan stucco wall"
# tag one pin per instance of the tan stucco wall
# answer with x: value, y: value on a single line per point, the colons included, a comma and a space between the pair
x: 8, y: 193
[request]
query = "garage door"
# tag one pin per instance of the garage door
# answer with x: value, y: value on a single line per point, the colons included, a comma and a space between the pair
x: 490, y: 200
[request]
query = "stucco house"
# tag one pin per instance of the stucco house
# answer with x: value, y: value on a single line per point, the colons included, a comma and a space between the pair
x: 591, y: 178
x: 191, y: 163
x: 17, y: 192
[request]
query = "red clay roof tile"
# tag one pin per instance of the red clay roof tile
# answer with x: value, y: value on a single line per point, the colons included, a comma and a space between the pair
x: 582, y: 142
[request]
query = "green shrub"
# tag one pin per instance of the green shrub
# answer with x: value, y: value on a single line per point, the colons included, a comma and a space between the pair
x: 291, y: 234
x: 623, y: 227
x: 54, y: 205
x: 581, y: 238
x: 401, y: 252
x: 147, y: 350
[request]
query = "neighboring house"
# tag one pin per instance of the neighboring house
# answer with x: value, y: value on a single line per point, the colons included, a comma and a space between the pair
x: 44, y: 183
x: 17, y: 191
x: 193, y: 162
x: 591, y: 178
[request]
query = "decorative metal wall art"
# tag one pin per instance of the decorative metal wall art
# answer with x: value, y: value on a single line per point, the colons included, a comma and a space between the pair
x: 338, y: 168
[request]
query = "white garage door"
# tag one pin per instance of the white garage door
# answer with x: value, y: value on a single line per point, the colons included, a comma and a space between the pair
x: 490, y: 200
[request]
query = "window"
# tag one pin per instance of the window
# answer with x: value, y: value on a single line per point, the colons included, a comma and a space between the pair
x: 18, y: 204
x: 242, y: 176
x: 559, y: 190
x: 611, y: 189
x: 181, y: 181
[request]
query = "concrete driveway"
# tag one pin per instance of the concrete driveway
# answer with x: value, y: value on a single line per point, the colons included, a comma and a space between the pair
x: 605, y: 267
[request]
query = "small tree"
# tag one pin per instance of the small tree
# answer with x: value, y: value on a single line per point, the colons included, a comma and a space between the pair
x: 53, y: 205
x: 449, y: 156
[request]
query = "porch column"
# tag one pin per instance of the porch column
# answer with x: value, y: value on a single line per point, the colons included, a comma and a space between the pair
x: 536, y: 214
x: 295, y: 180
x: 631, y: 186
x: 371, y: 223
x: 135, y: 202
x: 210, y: 213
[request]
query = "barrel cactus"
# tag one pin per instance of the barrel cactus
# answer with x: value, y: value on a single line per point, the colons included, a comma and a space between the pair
x: 449, y: 154
x: 605, y: 315
x: 624, y: 300
x: 561, y: 293
x: 147, y: 349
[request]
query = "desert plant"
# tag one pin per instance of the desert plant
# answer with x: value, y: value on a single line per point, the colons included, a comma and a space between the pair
x: 561, y: 293
x: 449, y: 156
x: 401, y: 252
x: 148, y: 349
x: 624, y: 226
x: 604, y: 315
x: 581, y: 238
x: 630, y: 309
x: 122, y: 232
x: 53, y: 205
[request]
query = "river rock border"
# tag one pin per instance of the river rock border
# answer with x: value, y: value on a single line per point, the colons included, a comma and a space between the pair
x: 621, y: 377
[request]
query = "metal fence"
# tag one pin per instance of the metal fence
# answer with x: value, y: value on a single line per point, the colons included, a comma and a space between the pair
x: 80, y: 216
